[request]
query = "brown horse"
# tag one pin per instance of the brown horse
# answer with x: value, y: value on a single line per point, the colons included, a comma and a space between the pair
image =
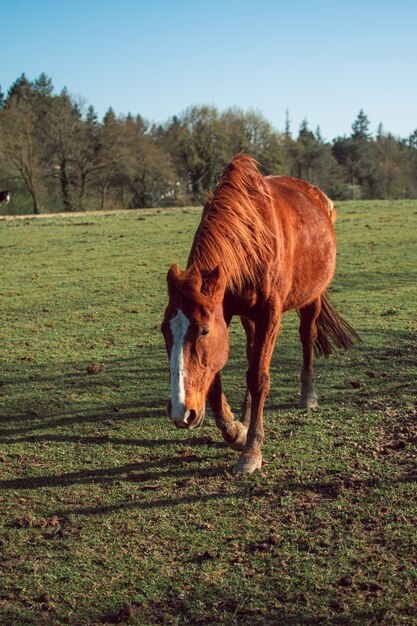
x: 265, y: 245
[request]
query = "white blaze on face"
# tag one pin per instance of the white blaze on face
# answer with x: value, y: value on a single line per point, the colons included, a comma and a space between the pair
x: 179, y: 326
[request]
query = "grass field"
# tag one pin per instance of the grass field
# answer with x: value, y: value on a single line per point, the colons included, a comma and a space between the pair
x: 109, y: 515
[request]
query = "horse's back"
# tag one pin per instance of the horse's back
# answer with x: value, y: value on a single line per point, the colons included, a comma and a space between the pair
x: 304, y: 214
x: 312, y: 191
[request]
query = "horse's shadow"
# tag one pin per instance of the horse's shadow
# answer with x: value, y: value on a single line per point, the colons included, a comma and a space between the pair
x: 140, y: 472
x: 145, y: 474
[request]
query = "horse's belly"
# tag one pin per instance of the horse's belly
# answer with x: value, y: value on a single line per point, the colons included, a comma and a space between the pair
x: 313, y: 269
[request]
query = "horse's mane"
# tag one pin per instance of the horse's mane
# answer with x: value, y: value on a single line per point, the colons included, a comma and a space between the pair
x: 233, y: 231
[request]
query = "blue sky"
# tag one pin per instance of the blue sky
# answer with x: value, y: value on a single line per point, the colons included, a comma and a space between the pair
x: 320, y: 59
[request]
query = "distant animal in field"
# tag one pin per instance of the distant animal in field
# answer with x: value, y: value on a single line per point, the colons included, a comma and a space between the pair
x: 265, y: 245
x: 5, y: 197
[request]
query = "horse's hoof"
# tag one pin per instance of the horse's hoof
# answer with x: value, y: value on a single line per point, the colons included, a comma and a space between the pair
x: 240, y: 441
x: 309, y: 402
x: 248, y: 464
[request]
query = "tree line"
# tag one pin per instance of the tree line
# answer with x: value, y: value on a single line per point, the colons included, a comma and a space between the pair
x: 55, y: 153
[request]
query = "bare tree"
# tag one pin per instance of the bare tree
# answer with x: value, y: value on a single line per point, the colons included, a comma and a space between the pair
x: 19, y: 150
x: 62, y: 127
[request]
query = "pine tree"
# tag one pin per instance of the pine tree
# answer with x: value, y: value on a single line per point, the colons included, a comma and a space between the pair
x: 360, y: 127
x: 43, y: 86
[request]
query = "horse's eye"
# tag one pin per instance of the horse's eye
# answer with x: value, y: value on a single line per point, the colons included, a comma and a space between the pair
x: 204, y: 332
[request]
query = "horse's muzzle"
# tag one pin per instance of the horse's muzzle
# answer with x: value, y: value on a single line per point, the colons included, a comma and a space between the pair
x: 191, y: 418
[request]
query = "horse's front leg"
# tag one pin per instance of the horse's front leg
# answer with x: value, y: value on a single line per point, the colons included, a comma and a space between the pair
x: 234, y: 433
x: 266, y: 329
x: 249, y: 327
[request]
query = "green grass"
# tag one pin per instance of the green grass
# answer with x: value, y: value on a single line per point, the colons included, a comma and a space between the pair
x: 110, y: 515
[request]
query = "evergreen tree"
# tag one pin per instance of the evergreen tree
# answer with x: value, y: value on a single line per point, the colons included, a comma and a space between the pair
x: 42, y: 86
x: 360, y: 127
x: 287, y: 131
x: 21, y: 92
x: 356, y: 155
x: 312, y: 160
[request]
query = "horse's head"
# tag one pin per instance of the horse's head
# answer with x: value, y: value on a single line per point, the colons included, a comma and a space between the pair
x: 196, y: 339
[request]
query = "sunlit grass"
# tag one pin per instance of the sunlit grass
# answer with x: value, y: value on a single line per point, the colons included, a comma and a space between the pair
x: 112, y: 516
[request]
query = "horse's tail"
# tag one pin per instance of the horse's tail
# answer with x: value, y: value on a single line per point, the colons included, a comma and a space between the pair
x: 332, y: 329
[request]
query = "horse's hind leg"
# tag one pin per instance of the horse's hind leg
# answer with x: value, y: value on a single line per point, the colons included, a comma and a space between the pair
x: 308, y: 336
x: 249, y: 327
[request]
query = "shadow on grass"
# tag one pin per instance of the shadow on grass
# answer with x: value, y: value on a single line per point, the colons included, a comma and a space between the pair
x: 184, y: 466
x: 212, y: 603
x: 327, y: 488
x: 112, y: 376
x: 109, y: 439
x: 216, y: 604
x: 120, y: 376
x: 141, y: 411
x: 45, y: 396
x: 131, y: 472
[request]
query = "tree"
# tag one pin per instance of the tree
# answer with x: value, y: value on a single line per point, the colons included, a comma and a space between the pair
x: 360, y: 127
x: 19, y: 144
x: 265, y: 144
x: 412, y: 151
x: 42, y: 86
x: 18, y: 149
x: 311, y: 159
x: 362, y: 153
x: 86, y: 149
x: 355, y: 155
x: 62, y: 131
x: 147, y: 172
x: 21, y: 92
x: 395, y: 167
x: 195, y: 142
x: 202, y: 141
x: 109, y: 156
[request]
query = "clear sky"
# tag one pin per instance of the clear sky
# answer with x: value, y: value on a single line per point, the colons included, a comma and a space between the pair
x: 321, y: 59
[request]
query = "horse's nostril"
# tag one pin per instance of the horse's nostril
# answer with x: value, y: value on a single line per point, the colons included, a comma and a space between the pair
x: 190, y: 416
x: 191, y: 419
x: 180, y: 424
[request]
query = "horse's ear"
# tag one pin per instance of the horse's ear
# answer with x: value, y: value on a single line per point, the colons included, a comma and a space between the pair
x: 214, y: 283
x: 174, y: 279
